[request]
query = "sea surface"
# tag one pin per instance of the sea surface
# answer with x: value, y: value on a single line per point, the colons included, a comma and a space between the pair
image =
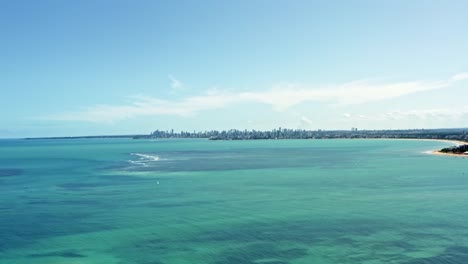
x: 122, y: 201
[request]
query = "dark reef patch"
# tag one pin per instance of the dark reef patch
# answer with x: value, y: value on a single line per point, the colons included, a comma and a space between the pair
x: 260, y: 253
x: 125, y: 178
x: 268, y: 243
x: 402, y: 244
x: 77, y: 186
x: 10, y: 172
x: 76, y: 202
x: 301, y: 231
x: 63, y: 254
x: 20, y: 228
x: 179, y: 204
x: 455, y: 254
x: 147, y: 251
x: 256, y: 158
x: 119, y: 180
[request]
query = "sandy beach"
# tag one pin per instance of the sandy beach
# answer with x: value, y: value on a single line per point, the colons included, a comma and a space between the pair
x: 456, y: 142
x: 436, y: 152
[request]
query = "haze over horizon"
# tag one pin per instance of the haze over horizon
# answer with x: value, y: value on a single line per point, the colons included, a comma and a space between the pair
x: 121, y: 67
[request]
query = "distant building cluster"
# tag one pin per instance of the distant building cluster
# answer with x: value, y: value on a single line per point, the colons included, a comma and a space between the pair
x: 283, y: 133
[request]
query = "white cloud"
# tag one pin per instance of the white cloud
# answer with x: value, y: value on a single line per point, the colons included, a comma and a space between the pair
x: 284, y: 96
x: 419, y: 114
x: 440, y: 113
x: 306, y: 121
x: 280, y: 97
x: 460, y: 76
x: 175, y: 84
x: 143, y: 107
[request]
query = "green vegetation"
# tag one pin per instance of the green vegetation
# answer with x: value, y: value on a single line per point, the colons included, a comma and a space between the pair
x: 456, y: 149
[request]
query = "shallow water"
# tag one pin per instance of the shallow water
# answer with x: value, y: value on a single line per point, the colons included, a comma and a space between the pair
x: 199, y: 201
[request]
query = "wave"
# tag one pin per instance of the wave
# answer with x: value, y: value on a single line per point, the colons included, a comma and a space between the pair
x: 144, y: 160
x: 146, y: 156
x: 141, y: 163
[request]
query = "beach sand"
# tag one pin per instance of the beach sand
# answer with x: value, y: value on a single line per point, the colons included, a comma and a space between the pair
x: 456, y: 142
x: 434, y: 152
x: 437, y: 152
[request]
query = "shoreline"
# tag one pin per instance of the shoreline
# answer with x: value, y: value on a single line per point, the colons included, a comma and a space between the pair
x: 437, y: 151
x: 456, y: 142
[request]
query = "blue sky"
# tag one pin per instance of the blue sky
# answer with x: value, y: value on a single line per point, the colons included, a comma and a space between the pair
x: 119, y: 67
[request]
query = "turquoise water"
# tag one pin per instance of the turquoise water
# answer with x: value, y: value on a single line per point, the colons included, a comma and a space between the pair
x: 221, y: 202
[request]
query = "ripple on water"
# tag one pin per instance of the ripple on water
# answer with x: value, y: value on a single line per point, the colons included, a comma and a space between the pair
x: 261, y: 253
x: 454, y: 254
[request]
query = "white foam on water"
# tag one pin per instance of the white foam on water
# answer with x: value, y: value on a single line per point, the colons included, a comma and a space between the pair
x: 146, y: 156
x: 144, y: 159
x: 136, y: 162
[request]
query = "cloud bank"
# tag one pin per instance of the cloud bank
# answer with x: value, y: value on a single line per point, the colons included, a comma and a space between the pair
x: 280, y: 97
x: 417, y: 114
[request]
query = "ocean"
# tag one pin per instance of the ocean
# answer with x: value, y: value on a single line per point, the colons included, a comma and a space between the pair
x: 123, y: 201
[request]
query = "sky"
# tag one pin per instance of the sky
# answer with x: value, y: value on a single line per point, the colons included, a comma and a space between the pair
x: 70, y: 68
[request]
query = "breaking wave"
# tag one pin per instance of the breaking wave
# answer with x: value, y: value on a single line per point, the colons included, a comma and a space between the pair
x: 146, y: 156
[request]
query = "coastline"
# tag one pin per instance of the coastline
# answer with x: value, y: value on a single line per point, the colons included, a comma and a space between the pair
x: 456, y: 142
x: 437, y: 151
